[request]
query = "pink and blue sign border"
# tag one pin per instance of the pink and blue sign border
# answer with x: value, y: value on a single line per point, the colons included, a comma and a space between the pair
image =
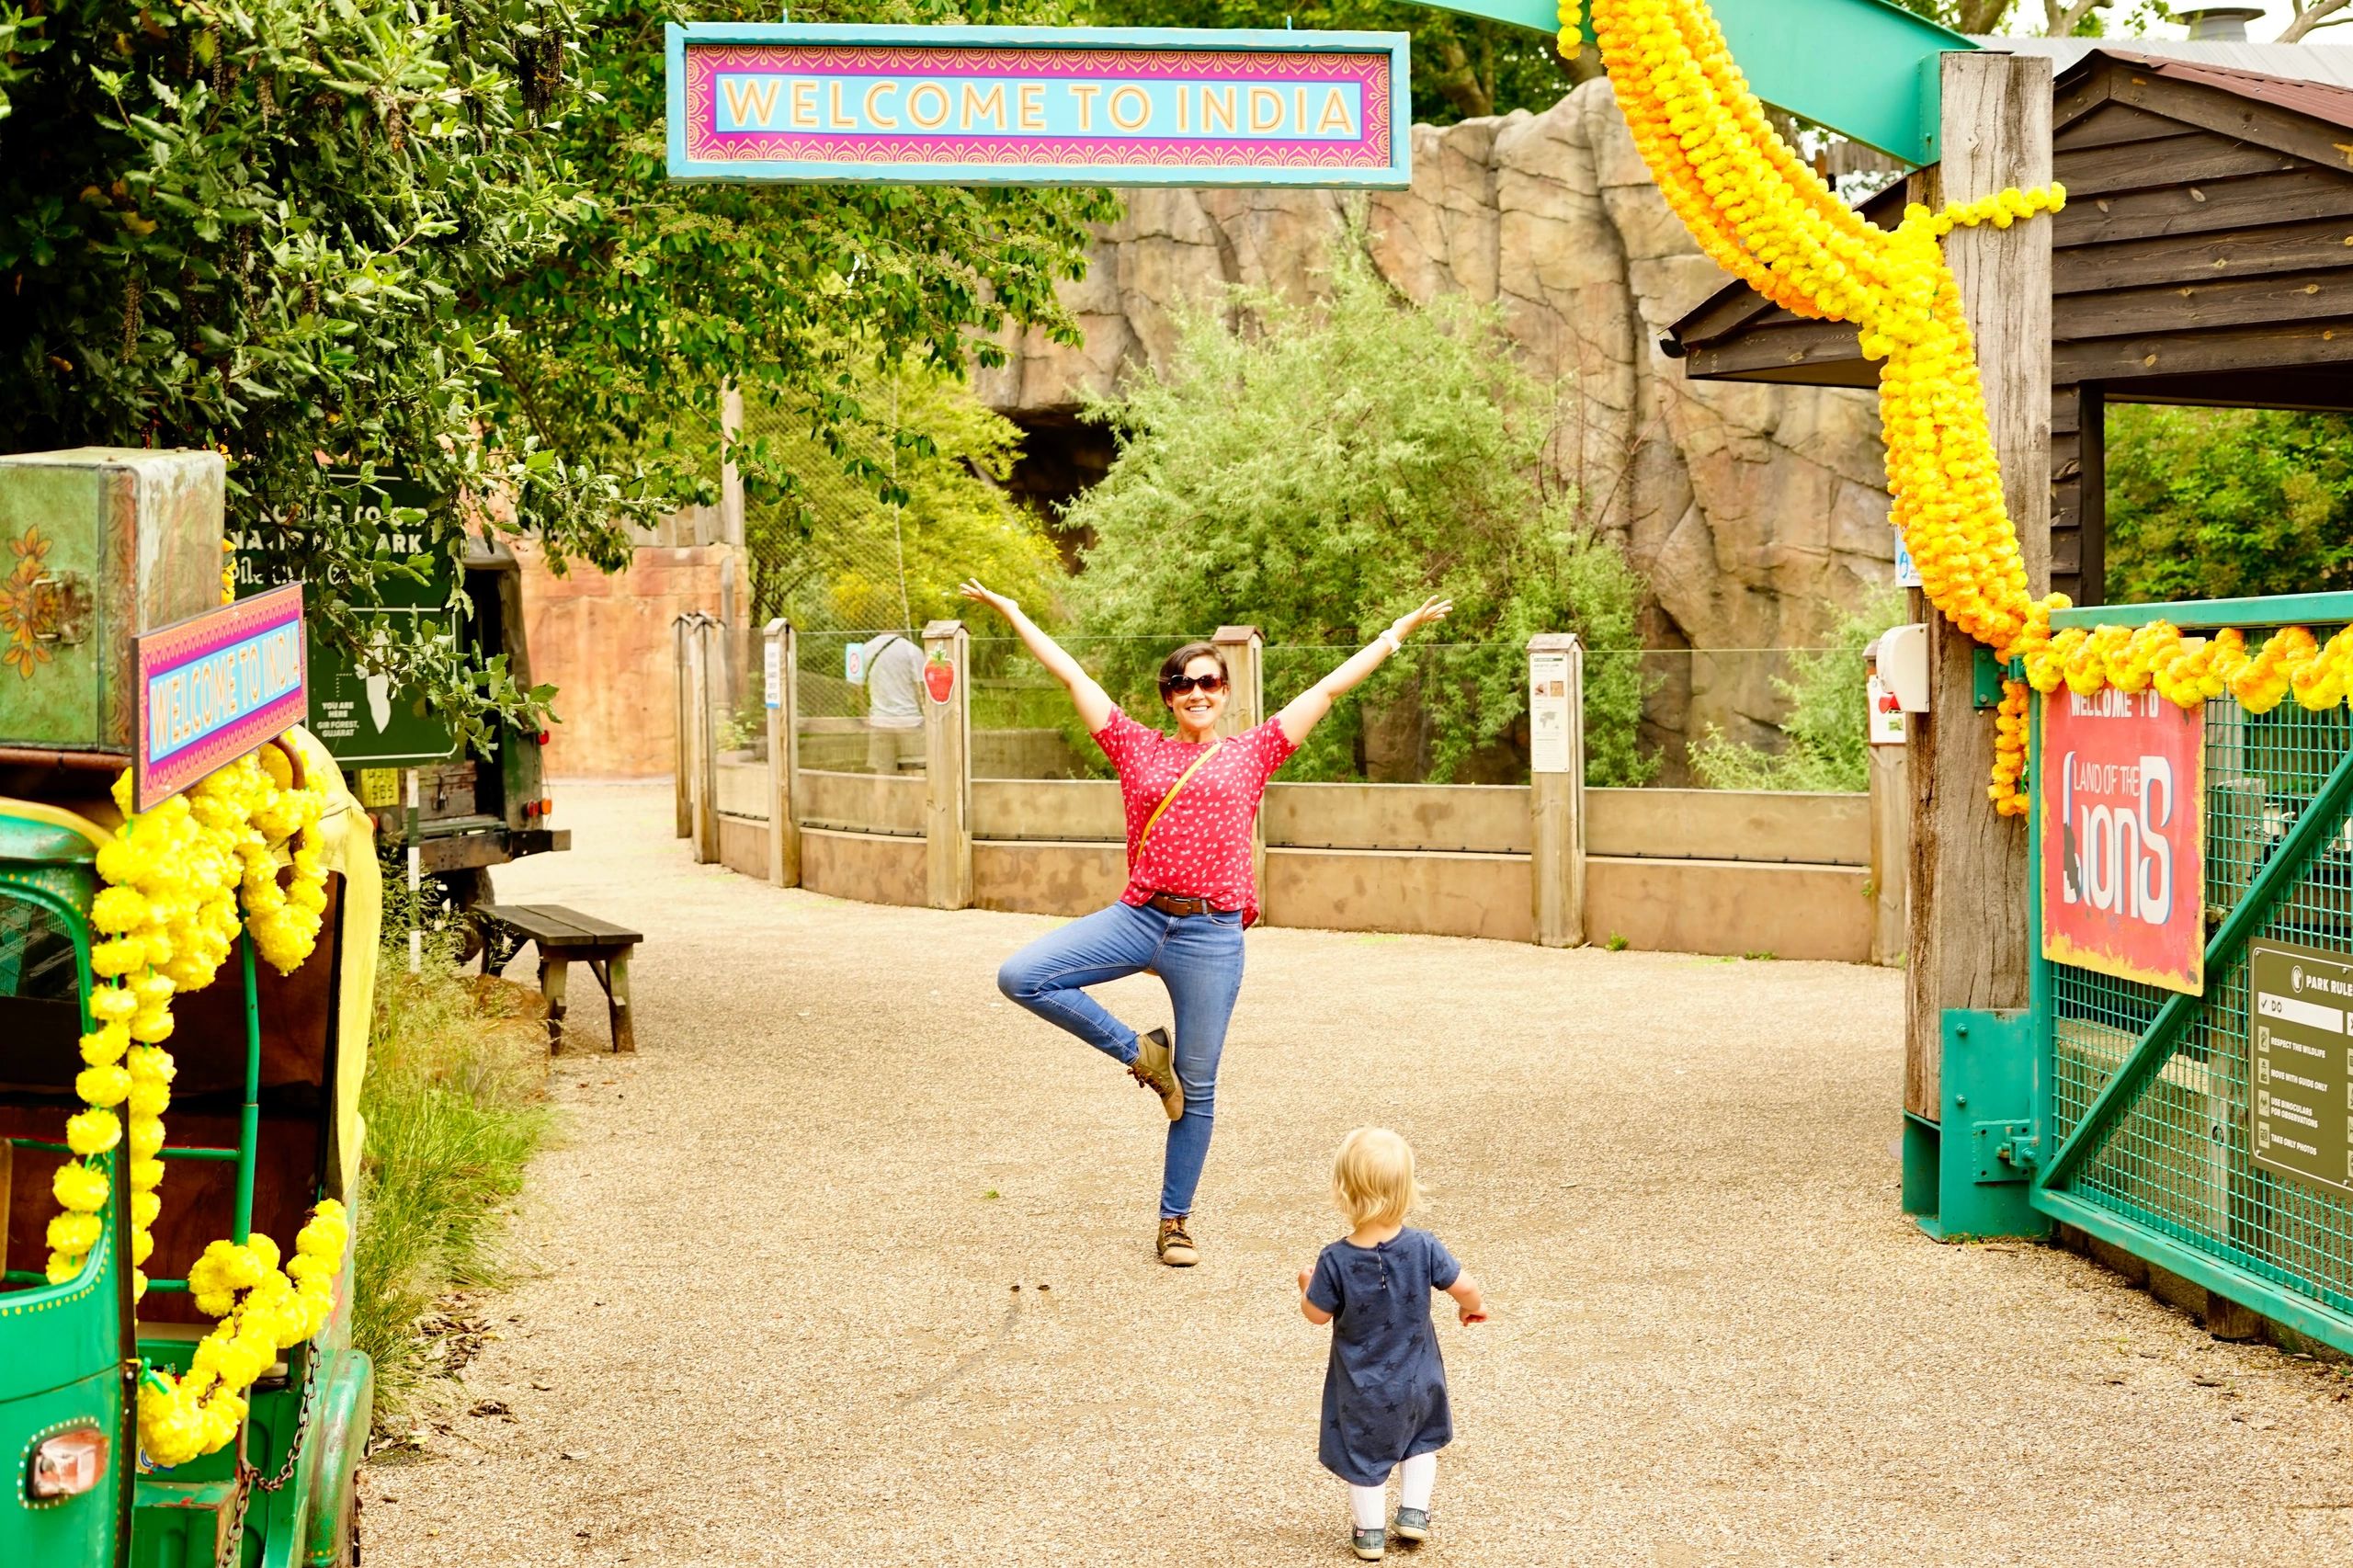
x: 184, y: 643
x: 1388, y: 139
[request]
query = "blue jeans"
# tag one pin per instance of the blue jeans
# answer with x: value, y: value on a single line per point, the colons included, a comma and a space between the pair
x: 1197, y: 956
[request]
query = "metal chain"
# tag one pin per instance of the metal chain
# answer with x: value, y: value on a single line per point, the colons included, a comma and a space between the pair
x: 232, y: 1545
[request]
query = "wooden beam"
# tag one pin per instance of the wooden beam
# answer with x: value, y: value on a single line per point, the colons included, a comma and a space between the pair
x: 2166, y: 163
x: 1800, y: 344
x: 2274, y: 345
x: 2106, y: 123
x: 1967, y: 874
x: 2317, y: 391
x: 2091, y: 530
x: 2325, y: 145
x: 2246, y: 252
x: 2177, y: 308
x: 2296, y: 196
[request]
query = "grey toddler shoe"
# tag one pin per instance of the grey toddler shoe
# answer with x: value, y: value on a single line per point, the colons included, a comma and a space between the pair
x: 1412, y: 1524
x: 1370, y: 1544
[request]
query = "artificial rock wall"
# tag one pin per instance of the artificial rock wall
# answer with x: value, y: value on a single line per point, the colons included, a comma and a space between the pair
x: 1752, y: 510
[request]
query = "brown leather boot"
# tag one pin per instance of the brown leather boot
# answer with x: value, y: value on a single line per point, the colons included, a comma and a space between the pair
x: 1156, y: 1068
x: 1176, y: 1248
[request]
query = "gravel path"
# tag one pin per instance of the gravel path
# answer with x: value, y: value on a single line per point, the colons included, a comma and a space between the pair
x: 851, y: 1266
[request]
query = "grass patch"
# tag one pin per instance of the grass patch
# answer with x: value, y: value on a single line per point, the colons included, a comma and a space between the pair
x: 1617, y: 943
x: 456, y: 1106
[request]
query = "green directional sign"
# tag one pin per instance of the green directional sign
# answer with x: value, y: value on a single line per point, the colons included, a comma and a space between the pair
x: 358, y: 717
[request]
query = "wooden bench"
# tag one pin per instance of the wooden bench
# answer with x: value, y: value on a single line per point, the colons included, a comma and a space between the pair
x: 563, y: 936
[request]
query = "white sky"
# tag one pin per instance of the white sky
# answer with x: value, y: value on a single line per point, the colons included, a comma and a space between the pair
x: 2264, y: 31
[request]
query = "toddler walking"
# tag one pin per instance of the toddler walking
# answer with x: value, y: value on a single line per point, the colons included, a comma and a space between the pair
x: 1384, y: 1388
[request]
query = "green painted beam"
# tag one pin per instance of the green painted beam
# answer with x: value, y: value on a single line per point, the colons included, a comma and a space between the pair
x: 1865, y: 68
x: 2279, y: 610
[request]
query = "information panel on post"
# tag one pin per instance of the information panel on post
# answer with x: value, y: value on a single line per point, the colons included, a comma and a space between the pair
x: 791, y: 102
x: 2299, y: 1083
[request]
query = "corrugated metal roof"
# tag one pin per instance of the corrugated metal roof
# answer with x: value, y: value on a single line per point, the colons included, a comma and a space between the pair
x: 2326, y: 63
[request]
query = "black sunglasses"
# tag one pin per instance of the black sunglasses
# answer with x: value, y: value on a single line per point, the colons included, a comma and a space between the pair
x: 1178, y: 686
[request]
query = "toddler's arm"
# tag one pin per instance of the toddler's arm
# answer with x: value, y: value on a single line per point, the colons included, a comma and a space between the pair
x: 1471, y: 1304
x: 1308, y: 1309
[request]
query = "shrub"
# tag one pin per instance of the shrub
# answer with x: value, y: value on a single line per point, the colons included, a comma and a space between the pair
x: 1828, y: 744
x: 1318, y: 470
x: 455, y: 1110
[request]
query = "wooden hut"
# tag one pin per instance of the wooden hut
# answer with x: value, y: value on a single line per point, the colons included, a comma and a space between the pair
x: 2205, y: 256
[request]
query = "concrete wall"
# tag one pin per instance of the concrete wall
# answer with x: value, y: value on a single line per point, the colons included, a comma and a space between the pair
x: 604, y: 643
x: 1679, y: 871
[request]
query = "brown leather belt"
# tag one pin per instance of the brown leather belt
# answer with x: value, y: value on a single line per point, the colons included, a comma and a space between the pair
x: 1172, y: 903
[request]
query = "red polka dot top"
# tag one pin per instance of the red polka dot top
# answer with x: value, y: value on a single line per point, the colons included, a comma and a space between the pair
x: 1201, y: 847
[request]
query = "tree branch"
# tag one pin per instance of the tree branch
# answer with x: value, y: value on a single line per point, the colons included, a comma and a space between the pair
x: 2310, y: 17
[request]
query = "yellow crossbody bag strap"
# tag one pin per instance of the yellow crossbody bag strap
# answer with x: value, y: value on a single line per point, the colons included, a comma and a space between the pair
x: 1182, y: 779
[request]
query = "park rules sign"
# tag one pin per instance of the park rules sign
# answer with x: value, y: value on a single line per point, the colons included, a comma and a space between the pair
x: 799, y: 102
x: 2122, y: 790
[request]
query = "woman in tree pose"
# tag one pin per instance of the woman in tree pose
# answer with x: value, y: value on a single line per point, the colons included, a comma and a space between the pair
x: 1190, y: 799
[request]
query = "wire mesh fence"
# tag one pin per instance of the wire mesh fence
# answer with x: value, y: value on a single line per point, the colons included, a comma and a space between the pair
x: 2187, y: 1155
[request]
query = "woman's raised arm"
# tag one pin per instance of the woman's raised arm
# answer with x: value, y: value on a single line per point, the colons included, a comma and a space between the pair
x: 1307, y: 709
x: 1094, y: 704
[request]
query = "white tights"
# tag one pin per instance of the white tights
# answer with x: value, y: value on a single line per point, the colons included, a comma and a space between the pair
x: 1415, y: 1477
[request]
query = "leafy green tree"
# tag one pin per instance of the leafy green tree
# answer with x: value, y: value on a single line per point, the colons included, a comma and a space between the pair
x: 2224, y: 503
x: 659, y: 292
x: 253, y: 228
x: 841, y: 554
x: 1317, y: 471
x: 1827, y: 744
x: 1463, y: 66
x: 370, y: 235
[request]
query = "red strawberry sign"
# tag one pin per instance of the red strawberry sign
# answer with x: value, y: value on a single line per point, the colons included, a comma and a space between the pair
x: 939, y: 677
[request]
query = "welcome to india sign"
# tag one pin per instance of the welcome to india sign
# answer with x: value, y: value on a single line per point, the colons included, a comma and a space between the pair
x: 790, y: 102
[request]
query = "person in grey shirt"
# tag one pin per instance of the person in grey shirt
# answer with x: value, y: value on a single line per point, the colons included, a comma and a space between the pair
x: 893, y: 696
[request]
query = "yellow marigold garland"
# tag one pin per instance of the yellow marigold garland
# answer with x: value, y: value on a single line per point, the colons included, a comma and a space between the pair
x: 263, y: 1310
x: 1761, y: 213
x: 167, y: 919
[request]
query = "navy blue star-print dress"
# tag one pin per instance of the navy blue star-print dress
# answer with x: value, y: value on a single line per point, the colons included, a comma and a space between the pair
x: 1384, y: 1389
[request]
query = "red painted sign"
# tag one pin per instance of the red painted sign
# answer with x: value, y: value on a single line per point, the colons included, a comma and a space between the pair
x: 2121, y: 782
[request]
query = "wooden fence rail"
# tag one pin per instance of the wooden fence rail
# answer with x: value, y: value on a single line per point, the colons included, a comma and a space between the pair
x: 1809, y: 876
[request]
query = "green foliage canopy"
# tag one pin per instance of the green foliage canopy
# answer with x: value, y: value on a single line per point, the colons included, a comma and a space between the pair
x: 2227, y: 503
x: 840, y: 555
x: 438, y: 240
x: 657, y: 292
x: 1317, y: 471
x: 1827, y: 729
x: 1463, y: 66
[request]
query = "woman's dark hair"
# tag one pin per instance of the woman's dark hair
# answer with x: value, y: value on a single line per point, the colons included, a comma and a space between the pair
x: 1174, y: 665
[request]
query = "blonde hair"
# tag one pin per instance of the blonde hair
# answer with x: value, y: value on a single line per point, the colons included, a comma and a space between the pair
x: 1373, y: 1177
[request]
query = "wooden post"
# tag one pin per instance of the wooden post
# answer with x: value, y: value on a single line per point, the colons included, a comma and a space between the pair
x: 782, y: 679
x: 1891, y: 850
x: 703, y: 770
x: 1967, y: 927
x: 948, y: 770
x: 1245, y: 708
x: 683, y: 704
x: 1556, y: 787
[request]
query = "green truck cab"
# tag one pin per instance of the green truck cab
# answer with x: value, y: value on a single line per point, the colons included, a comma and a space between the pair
x: 264, y: 1119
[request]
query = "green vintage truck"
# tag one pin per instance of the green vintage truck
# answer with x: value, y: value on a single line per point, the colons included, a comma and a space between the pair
x: 264, y: 1118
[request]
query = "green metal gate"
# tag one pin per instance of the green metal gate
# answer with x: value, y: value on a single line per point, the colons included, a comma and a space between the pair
x: 2140, y: 1128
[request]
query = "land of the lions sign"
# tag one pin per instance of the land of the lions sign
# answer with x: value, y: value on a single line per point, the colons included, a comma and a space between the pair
x: 788, y: 102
